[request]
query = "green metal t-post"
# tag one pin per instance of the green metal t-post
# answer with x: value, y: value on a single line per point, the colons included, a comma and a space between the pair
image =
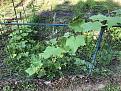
x: 98, y: 45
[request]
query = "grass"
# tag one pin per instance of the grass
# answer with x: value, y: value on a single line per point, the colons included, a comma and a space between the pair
x: 43, y: 5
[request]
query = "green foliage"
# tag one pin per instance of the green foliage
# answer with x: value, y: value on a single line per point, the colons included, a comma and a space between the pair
x: 116, y: 40
x: 80, y: 26
x: 49, y: 58
x: 99, y: 17
x: 52, y: 54
x: 20, y: 48
x: 96, y: 24
x: 91, y: 26
x: 76, y: 25
x: 113, y: 21
x: 118, y: 12
x: 30, y: 56
x: 7, y: 88
x: 112, y: 87
x: 74, y: 42
x: 36, y: 63
x: 94, y: 7
x: 79, y: 62
x: 51, y: 51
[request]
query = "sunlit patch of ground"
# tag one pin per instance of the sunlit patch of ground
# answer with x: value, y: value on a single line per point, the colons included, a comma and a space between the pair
x: 7, y: 10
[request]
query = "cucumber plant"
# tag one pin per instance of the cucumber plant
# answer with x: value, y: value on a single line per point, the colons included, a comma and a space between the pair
x: 50, y: 59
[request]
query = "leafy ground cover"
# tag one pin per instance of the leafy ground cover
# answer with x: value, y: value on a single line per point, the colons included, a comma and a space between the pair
x: 60, y: 57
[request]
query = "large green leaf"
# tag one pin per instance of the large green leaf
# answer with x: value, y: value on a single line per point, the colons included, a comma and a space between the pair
x: 34, y: 68
x: 31, y: 70
x: 74, y: 42
x: 113, y: 21
x: 52, y: 51
x: 91, y: 26
x: 80, y: 41
x: 36, y: 61
x: 118, y: 12
x: 36, y: 64
x: 76, y: 25
x: 57, y: 52
x: 99, y: 17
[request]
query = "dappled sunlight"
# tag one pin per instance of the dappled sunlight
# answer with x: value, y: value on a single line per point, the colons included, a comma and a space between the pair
x: 42, y: 5
x: 117, y: 1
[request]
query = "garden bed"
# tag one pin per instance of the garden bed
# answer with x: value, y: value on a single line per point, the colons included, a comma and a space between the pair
x: 105, y: 78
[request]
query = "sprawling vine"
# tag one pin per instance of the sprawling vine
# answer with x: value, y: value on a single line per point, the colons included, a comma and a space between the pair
x: 50, y: 60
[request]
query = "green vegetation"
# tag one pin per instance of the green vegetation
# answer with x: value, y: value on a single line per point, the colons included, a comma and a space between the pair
x: 112, y: 87
x: 50, y: 53
x: 50, y: 58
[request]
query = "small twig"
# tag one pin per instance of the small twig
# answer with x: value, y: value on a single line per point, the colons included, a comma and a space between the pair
x: 15, y: 12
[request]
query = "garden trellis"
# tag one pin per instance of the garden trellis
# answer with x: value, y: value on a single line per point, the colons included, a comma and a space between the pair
x: 98, y: 44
